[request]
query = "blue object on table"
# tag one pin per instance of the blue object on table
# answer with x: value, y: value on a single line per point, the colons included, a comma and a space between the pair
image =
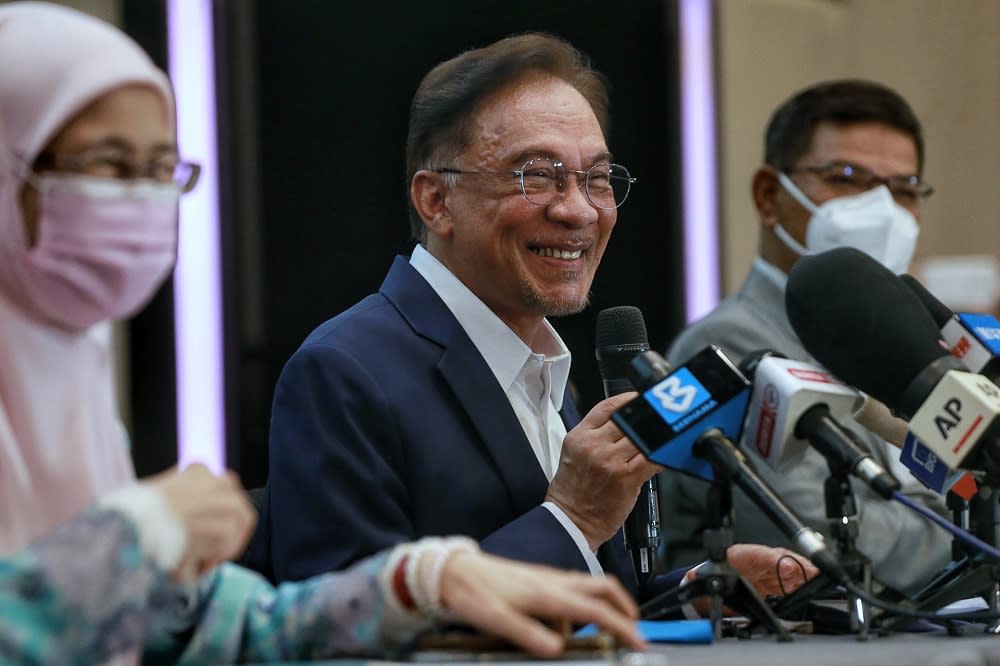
x: 665, y: 631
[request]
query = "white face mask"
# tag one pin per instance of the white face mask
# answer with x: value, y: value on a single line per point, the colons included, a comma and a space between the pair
x: 870, y: 221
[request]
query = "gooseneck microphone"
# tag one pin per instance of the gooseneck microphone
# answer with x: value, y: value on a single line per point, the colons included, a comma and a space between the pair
x: 862, y: 322
x: 620, y: 336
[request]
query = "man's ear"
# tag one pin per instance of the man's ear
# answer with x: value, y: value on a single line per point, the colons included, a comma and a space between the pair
x: 765, y: 188
x: 430, y: 197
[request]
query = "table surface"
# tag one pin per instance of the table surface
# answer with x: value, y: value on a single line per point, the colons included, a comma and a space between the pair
x: 913, y: 649
x: 820, y: 650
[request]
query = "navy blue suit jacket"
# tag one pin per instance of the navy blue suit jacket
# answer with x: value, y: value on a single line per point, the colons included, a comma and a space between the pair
x: 387, y: 426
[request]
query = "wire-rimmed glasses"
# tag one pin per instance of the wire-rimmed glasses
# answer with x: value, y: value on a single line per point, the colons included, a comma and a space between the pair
x: 543, y: 180
x: 860, y: 179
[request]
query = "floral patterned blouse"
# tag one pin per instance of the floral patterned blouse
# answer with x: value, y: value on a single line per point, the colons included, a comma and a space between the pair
x: 86, y: 593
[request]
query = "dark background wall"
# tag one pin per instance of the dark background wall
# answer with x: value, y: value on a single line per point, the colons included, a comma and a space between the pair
x: 313, y: 111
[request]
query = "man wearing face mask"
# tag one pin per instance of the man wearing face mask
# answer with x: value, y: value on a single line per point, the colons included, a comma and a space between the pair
x: 842, y: 167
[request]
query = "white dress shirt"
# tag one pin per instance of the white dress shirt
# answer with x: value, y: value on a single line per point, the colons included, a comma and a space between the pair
x: 533, y: 379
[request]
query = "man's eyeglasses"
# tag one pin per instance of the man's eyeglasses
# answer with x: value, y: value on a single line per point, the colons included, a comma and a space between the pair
x: 859, y: 178
x: 105, y: 163
x: 543, y: 181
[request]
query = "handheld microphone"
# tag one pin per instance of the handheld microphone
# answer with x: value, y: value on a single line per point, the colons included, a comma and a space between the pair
x: 794, y: 402
x: 731, y: 463
x: 621, y: 334
x: 664, y: 422
x: 858, y: 319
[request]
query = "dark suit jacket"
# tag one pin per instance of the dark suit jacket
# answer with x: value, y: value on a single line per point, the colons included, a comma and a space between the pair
x: 387, y: 426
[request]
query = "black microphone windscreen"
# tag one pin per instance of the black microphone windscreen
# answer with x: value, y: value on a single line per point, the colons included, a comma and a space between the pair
x: 621, y: 334
x: 938, y: 310
x: 860, y: 321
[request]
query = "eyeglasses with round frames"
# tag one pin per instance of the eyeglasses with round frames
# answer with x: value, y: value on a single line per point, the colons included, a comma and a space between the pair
x: 844, y: 174
x: 104, y: 163
x: 543, y: 180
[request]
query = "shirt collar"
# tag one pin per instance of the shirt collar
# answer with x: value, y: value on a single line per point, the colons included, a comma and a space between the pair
x: 504, y: 352
x: 771, y: 272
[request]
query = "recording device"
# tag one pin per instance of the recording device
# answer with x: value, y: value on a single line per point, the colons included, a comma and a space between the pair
x: 671, y: 413
x: 732, y: 464
x: 621, y: 334
x: 795, y: 404
x: 862, y: 322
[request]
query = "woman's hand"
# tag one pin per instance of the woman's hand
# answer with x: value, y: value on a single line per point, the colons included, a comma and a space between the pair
x: 508, y: 598
x: 215, y: 513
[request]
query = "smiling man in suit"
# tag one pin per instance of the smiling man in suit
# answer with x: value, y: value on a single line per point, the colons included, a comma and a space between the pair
x: 439, y: 405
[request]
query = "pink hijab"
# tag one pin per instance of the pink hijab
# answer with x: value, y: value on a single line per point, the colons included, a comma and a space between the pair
x: 61, y: 444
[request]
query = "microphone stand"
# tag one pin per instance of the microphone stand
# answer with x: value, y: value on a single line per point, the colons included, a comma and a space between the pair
x: 841, y: 509
x: 983, y: 520
x: 716, y: 578
x: 970, y: 574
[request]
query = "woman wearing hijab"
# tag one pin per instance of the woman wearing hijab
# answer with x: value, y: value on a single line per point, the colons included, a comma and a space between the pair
x: 96, y: 565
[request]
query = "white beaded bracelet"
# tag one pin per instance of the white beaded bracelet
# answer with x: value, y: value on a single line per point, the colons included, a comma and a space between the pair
x: 414, y: 578
x: 423, y: 580
x: 446, y: 549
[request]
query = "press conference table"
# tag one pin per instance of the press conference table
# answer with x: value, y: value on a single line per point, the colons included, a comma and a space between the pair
x: 811, y: 650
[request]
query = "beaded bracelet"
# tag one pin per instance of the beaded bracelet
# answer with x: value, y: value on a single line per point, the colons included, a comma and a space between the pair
x: 415, y: 581
x: 422, y: 567
x: 446, y: 549
x: 392, y: 580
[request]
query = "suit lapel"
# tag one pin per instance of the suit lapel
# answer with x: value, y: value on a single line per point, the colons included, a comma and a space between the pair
x: 476, y: 390
x: 490, y: 412
x: 472, y: 382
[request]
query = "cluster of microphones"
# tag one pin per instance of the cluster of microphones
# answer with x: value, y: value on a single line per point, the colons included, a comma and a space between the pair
x: 891, y: 357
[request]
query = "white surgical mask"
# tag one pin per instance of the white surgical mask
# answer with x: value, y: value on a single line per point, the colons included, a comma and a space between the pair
x: 871, y: 221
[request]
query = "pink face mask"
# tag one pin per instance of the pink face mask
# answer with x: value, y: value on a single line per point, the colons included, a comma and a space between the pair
x: 103, y: 247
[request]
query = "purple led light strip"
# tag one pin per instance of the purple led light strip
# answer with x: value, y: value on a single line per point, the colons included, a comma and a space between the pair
x: 197, y: 282
x: 698, y: 155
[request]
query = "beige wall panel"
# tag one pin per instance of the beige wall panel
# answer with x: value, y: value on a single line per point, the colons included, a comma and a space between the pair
x: 109, y: 10
x: 942, y: 55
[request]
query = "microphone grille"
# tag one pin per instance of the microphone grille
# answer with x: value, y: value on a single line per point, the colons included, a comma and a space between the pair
x: 621, y: 334
x: 621, y: 325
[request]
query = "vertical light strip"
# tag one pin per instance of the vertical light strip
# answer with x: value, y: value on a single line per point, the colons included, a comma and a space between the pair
x: 197, y: 279
x: 698, y: 157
